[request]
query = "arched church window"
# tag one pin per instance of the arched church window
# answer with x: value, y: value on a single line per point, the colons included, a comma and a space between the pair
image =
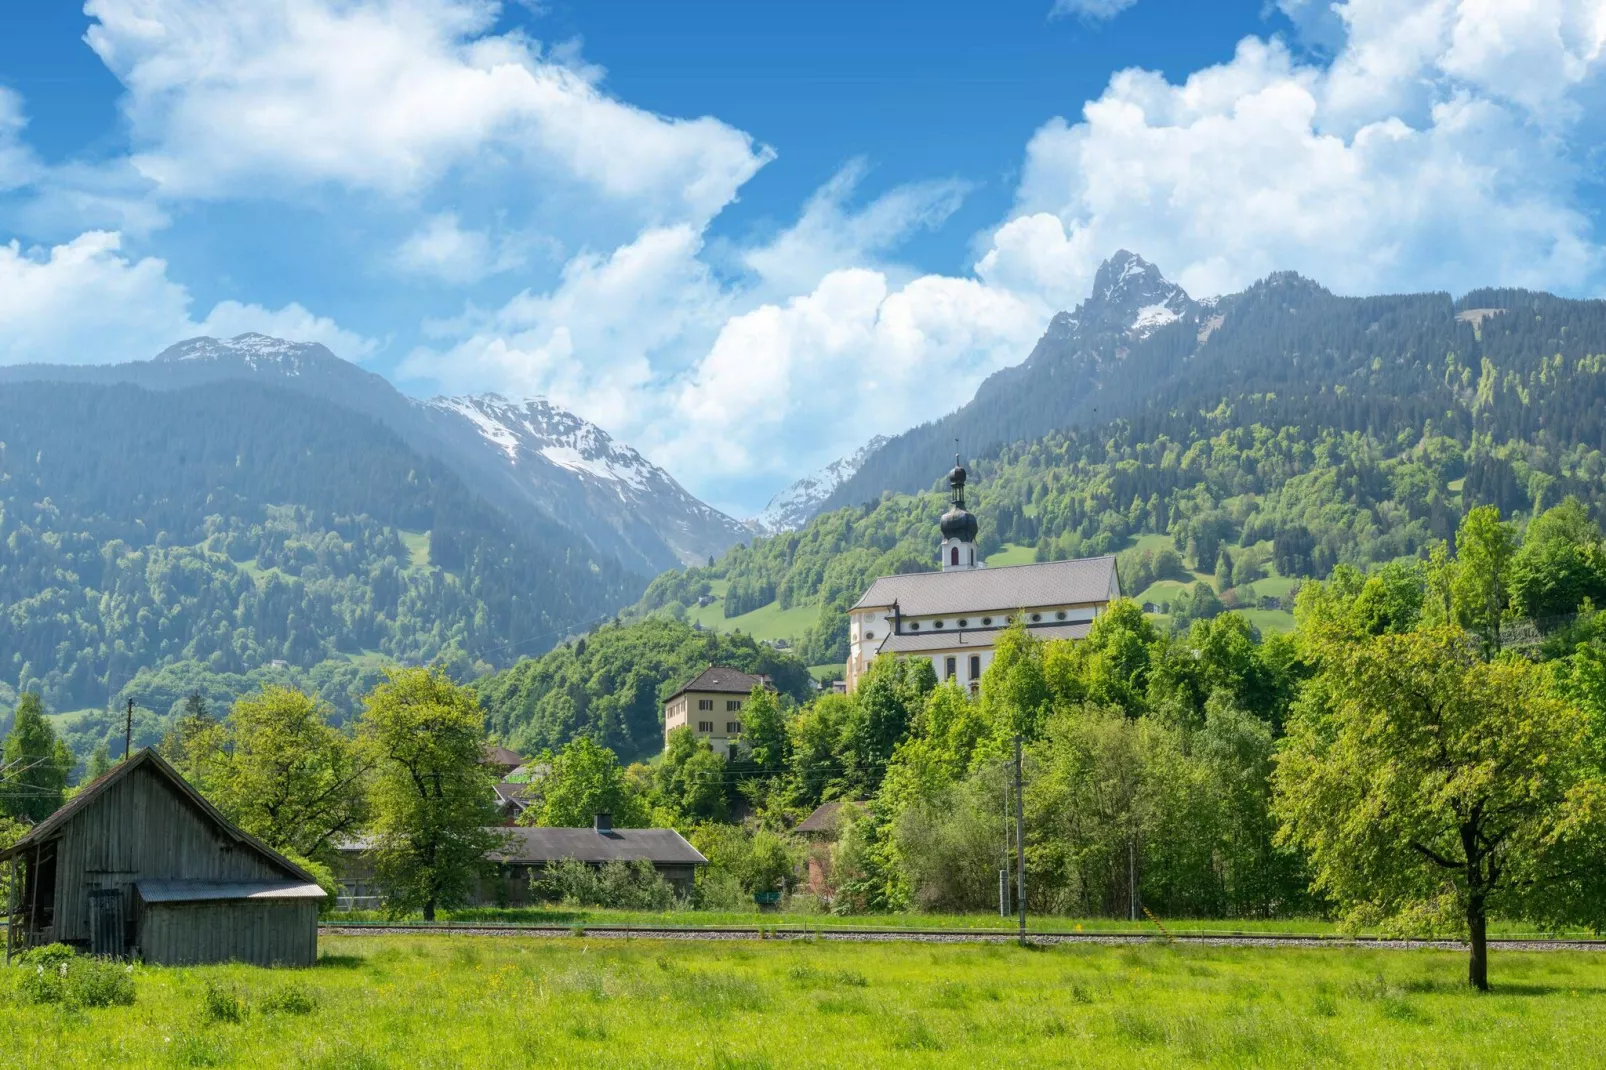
x: 953, y: 556
x: 972, y: 555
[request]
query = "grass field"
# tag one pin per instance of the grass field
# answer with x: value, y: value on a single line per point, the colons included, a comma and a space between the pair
x: 808, y: 921
x: 452, y: 1001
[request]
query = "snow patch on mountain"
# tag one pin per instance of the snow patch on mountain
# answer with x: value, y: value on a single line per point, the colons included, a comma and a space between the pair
x: 797, y: 504
x: 1153, y: 316
x: 535, y: 426
x: 255, y: 351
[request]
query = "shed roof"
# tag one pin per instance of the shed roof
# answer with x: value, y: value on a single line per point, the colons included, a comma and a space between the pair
x: 661, y: 846
x: 1047, y: 583
x: 956, y: 640
x: 720, y: 678
x: 206, y: 891
x: 149, y: 759
x: 502, y: 756
x: 824, y: 817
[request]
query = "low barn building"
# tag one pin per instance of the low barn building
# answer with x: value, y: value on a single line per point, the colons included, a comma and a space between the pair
x: 526, y: 852
x: 530, y: 850
x: 138, y: 862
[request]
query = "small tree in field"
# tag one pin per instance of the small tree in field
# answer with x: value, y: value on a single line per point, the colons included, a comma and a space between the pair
x: 1425, y: 783
x: 431, y: 796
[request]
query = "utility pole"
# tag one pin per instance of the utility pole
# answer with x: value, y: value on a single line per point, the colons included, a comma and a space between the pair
x: 1131, y: 878
x: 128, y: 733
x: 1003, y: 868
x: 1020, y: 842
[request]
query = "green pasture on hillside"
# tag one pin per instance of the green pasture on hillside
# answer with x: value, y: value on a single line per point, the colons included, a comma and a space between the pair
x: 456, y: 1001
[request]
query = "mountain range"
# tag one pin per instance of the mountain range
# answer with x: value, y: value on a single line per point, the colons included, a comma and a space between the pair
x: 792, y: 507
x: 535, y: 461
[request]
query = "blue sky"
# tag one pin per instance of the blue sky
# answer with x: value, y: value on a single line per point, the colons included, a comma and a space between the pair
x: 747, y: 237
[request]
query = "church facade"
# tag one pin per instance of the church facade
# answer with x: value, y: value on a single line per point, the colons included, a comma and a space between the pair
x: 954, y: 616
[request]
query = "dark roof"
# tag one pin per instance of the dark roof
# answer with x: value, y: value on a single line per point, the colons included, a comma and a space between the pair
x: 207, y: 891
x: 1047, y: 583
x: 148, y: 757
x: 662, y: 846
x: 502, y: 756
x: 824, y: 817
x: 719, y: 678
x: 509, y: 791
x: 979, y: 640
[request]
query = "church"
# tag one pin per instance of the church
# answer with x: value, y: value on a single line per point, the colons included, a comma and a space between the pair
x: 953, y: 616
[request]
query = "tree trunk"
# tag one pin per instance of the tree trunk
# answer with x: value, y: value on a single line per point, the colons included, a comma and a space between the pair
x: 429, y: 910
x: 1478, y: 937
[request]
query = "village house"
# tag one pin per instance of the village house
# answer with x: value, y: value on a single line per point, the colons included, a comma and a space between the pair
x: 711, y: 704
x: 954, y: 616
x: 527, y: 852
x: 139, y: 863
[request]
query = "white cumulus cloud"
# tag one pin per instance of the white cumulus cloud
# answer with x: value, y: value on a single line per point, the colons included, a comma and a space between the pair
x: 86, y: 302
x: 232, y: 97
x: 1093, y: 10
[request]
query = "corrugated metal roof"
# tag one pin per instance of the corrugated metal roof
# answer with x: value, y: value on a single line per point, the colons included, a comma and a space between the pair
x: 662, y: 846
x: 204, y: 891
x: 956, y: 640
x: 1047, y: 583
x: 719, y: 678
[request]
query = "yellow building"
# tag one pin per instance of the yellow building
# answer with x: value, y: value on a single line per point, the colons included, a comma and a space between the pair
x: 712, y: 705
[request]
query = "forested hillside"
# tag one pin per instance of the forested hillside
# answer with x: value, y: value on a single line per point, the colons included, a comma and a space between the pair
x: 1508, y: 364
x: 610, y: 686
x: 1305, y: 431
x: 234, y: 524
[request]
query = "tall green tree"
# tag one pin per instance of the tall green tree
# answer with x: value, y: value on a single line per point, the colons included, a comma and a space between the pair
x: 431, y: 796
x: 585, y: 780
x: 764, y: 731
x: 690, y: 777
x: 1480, y: 584
x: 288, y: 777
x: 1425, y: 783
x: 34, y: 766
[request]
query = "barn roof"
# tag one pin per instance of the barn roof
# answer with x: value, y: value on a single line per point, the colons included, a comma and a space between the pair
x: 148, y: 758
x: 824, y: 817
x: 662, y: 846
x: 212, y: 891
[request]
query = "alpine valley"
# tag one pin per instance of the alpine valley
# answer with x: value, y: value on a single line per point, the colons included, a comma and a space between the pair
x: 249, y: 510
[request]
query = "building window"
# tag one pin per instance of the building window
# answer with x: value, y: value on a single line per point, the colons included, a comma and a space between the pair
x: 963, y: 622
x: 705, y: 704
x: 733, y: 728
x: 972, y: 555
x: 705, y: 726
x: 1060, y: 615
x: 987, y: 622
x: 869, y: 635
x: 732, y: 704
x: 1036, y: 617
x: 975, y: 667
x: 948, y: 668
x: 953, y: 556
x: 914, y: 626
x: 936, y: 624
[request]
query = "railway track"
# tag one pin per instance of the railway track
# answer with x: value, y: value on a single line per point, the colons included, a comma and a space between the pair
x: 947, y: 936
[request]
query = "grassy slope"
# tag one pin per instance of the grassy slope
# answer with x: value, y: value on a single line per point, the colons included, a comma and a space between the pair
x: 464, y: 1001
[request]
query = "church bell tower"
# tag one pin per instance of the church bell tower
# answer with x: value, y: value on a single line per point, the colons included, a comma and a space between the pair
x: 959, y: 528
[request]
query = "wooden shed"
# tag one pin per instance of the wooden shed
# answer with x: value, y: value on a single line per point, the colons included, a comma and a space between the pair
x: 138, y: 862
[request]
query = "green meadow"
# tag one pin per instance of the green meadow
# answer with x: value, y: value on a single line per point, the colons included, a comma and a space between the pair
x: 457, y: 1001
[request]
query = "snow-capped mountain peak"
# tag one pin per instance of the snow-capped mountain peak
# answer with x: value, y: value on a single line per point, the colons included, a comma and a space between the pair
x: 1130, y: 296
x: 794, y: 506
x: 252, y: 350
x: 571, y: 465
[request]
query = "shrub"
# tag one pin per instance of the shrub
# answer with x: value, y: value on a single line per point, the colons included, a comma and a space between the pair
x: 289, y: 999
x: 621, y: 885
x: 54, y: 974
x: 221, y: 1003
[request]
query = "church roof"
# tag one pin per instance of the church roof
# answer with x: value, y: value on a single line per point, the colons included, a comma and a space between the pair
x: 1047, y: 583
x: 980, y: 638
